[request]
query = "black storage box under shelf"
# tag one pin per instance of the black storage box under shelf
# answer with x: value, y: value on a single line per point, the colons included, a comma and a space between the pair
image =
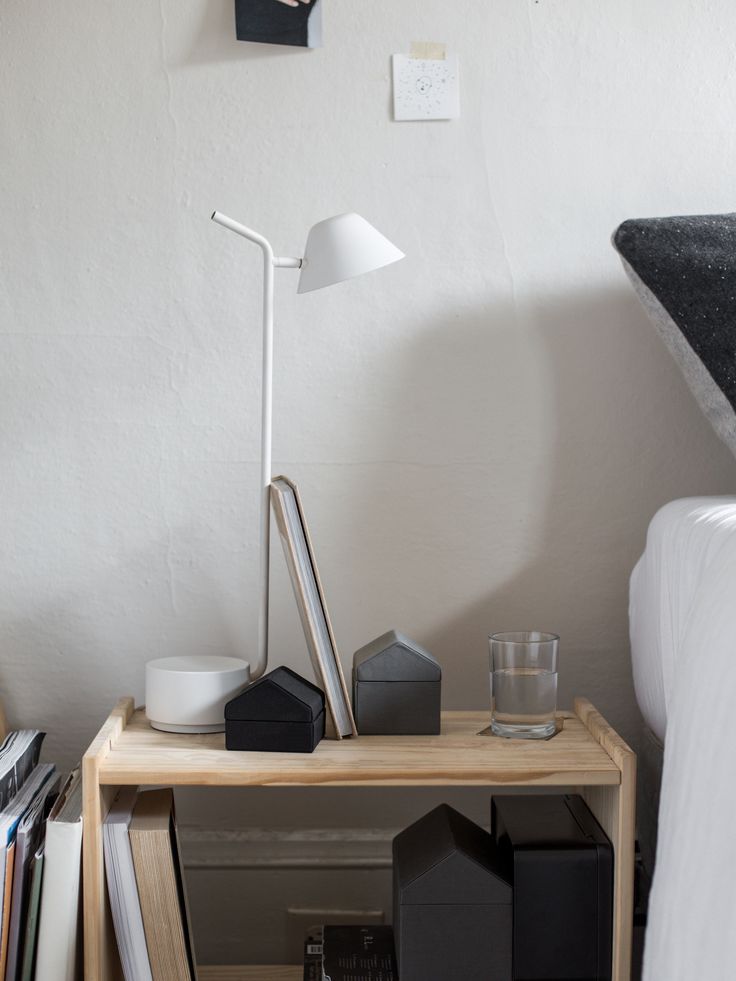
x: 452, y: 908
x: 561, y: 865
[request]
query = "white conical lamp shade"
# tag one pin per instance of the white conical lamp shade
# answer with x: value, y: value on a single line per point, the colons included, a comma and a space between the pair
x: 342, y: 247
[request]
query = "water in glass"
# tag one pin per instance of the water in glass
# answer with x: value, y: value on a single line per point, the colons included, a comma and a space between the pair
x: 524, y: 702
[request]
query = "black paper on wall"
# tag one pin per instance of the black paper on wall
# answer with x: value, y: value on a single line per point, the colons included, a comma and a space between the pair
x: 273, y: 22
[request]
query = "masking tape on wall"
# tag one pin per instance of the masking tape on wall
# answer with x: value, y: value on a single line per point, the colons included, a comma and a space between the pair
x: 428, y: 51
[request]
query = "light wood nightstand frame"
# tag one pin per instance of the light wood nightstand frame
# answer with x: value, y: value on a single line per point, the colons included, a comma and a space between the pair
x: 587, y: 755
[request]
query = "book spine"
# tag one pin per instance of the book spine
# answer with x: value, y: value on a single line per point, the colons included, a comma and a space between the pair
x: 58, y: 929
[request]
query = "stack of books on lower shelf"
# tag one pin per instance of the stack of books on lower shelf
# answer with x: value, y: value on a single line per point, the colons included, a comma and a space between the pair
x: 40, y: 865
x: 146, y: 887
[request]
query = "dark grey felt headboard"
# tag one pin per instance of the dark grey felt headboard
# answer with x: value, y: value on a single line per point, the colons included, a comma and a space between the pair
x: 684, y: 271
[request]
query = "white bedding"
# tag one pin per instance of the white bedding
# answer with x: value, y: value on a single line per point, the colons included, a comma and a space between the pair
x: 683, y: 629
x: 684, y: 539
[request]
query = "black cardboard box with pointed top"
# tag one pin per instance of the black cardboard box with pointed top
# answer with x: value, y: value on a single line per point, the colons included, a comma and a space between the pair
x: 452, y: 905
x: 280, y: 713
x: 396, y: 688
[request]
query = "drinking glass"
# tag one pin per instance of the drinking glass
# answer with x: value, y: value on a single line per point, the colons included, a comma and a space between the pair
x: 523, y: 684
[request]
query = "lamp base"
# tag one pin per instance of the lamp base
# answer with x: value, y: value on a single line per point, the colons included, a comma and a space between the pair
x: 189, y: 694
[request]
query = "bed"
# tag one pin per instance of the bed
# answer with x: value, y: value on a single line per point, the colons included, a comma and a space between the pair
x: 683, y: 619
x: 683, y: 642
x: 670, y: 585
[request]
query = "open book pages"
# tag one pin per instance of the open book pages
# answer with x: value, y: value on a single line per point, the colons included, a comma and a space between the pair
x: 18, y: 755
x: 156, y: 858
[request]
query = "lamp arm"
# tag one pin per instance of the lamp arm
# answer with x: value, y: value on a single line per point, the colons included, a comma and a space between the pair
x: 243, y: 230
x: 266, y: 402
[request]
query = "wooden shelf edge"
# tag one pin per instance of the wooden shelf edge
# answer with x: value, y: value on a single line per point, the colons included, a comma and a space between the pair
x: 96, y: 801
x: 616, y: 812
x: 148, y: 757
x: 489, y: 778
x: 111, y: 728
x: 269, y: 972
x: 617, y: 748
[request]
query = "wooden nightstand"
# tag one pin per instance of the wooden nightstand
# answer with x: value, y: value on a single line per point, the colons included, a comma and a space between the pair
x: 587, y: 755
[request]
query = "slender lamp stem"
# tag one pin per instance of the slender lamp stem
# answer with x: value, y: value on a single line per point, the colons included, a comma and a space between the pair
x: 269, y: 262
x: 337, y: 249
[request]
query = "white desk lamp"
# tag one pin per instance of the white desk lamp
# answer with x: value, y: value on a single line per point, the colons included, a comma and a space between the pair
x: 188, y: 694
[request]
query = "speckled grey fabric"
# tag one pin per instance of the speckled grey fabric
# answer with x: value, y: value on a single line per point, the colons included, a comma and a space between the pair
x: 684, y: 270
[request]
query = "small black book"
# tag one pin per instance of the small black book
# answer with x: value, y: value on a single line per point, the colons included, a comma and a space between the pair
x: 313, y: 956
x: 359, y: 953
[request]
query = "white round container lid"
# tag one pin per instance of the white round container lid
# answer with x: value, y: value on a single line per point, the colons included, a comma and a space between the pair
x: 198, y: 664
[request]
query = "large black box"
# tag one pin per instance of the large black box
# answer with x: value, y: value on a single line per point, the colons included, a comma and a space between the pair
x: 452, y: 908
x: 561, y: 865
x: 397, y: 688
x: 280, y: 713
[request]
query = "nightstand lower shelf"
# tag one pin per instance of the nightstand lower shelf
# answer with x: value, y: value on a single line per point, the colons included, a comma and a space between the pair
x: 271, y: 972
x: 586, y: 755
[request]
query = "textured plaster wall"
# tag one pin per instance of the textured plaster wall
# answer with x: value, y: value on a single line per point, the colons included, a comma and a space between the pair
x: 481, y: 433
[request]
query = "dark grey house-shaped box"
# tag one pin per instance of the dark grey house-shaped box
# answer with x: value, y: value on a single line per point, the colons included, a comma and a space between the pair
x: 396, y: 688
x: 281, y: 712
x: 452, y: 907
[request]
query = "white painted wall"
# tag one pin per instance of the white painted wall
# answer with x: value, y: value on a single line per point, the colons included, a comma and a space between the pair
x: 481, y: 432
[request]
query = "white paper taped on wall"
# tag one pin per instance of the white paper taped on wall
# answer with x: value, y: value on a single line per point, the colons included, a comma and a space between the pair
x: 426, y: 88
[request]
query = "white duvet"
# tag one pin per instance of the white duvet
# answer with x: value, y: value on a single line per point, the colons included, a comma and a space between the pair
x: 683, y: 634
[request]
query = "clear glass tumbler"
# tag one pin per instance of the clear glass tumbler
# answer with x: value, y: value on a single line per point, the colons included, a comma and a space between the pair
x: 523, y: 684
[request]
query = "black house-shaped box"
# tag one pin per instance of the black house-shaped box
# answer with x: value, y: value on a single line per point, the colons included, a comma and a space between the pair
x: 561, y: 865
x: 452, y: 908
x: 396, y: 688
x: 280, y: 713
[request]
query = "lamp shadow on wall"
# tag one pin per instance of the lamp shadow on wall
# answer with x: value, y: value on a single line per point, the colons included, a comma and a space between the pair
x: 544, y: 530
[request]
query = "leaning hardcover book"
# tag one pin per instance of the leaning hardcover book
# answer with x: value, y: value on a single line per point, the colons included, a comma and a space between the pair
x: 122, y: 888
x: 310, y: 600
x: 156, y: 854
x: 27, y: 840
x: 28, y: 971
x: 10, y: 818
x: 59, y: 944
